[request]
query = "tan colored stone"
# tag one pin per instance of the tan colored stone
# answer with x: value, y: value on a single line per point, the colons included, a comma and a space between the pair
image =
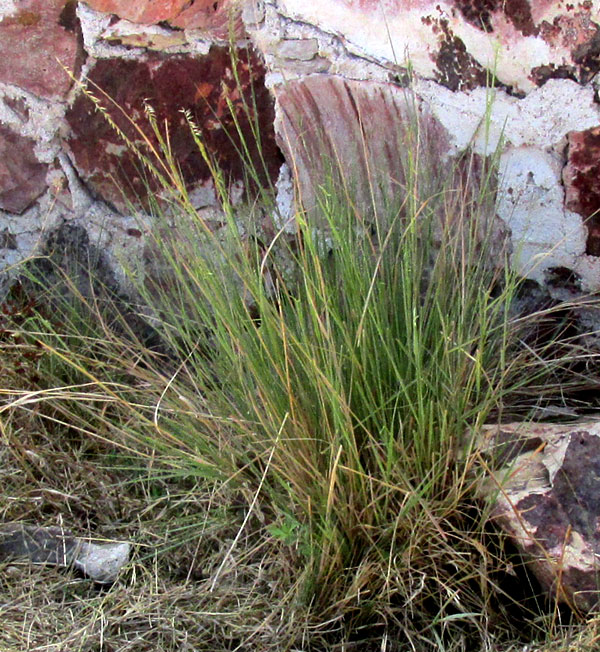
x: 148, y: 40
x: 301, y: 68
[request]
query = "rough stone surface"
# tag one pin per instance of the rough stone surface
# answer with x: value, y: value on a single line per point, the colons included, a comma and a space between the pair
x: 337, y: 74
x: 488, y: 119
x: 541, y: 108
x: 545, y: 494
x: 524, y: 43
x: 151, y: 37
x: 218, y: 19
x: 303, y: 49
x: 37, y: 42
x: 531, y: 203
x: 22, y: 176
x: 169, y: 84
x: 253, y: 12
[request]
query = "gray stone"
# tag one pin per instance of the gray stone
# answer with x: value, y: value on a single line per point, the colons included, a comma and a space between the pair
x: 56, y: 546
x: 101, y: 562
x: 303, y: 49
x: 253, y: 12
x: 300, y: 68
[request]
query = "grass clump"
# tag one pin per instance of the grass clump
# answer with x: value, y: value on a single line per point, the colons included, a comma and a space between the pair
x: 323, y: 377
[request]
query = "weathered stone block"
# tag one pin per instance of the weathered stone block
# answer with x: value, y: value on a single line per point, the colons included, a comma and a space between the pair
x: 204, y: 86
x: 219, y: 20
x: 545, y: 494
x: 357, y: 131
x: 22, y: 176
x: 216, y: 18
x: 303, y: 49
x: 148, y: 12
x: 253, y: 12
x: 581, y: 178
x: 101, y: 562
x: 523, y: 43
x: 37, y: 43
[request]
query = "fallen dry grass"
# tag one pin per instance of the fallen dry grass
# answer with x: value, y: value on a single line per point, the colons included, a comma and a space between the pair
x: 165, y: 598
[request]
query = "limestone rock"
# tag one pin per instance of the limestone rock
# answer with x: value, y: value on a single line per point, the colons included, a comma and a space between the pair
x: 303, y: 49
x: 22, y: 176
x: 37, y: 43
x: 544, y: 492
x: 253, y: 12
x: 531, y: 203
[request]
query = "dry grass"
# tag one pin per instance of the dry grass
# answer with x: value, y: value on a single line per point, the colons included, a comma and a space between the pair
x: 163, y: 599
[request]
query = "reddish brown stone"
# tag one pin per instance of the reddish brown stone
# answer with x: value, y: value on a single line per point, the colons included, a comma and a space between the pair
x: 581, y: 178
x: 22, y: 176
x: 220, y: 18
x: 456, y: 68
x: 357, y: 131
x: 581, y: 35
x: 204, y: 86
x: 569, y: 30
x: 480, y: 13
x: 148, y: 12
x: 36, y: 42
x: 541, y: 74
x: 519, y: 14
x: 545, y: 495
x: 213, y: 16
x: 587, y: 57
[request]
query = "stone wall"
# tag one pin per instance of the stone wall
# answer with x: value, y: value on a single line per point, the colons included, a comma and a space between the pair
x: 337, y: 65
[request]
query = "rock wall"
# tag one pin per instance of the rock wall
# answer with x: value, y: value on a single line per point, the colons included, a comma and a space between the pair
x: 520, y: 75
